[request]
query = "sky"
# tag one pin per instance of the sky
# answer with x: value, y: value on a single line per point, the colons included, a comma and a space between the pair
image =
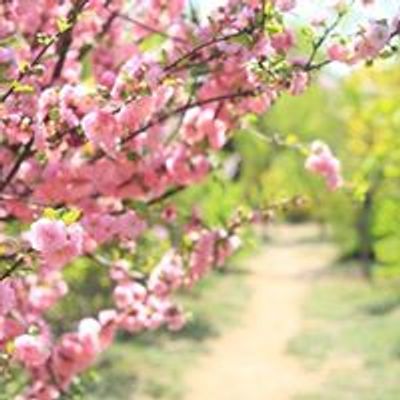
x: 310, y: 8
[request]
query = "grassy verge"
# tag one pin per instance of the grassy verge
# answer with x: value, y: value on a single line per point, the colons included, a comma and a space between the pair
x: 352, y: 339
x: 152, y: 365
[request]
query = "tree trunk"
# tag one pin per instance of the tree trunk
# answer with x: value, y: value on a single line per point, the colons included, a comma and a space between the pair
x: 366, y: 254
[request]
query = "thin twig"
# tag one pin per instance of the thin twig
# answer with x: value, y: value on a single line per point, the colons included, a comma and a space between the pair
x: 150, y: 28
x: 106, y: 27
x: 200, y: 47
x: 54, y: 39
x: 27, y: 70
x: 318, y: 44
x: 65, y: 39
x: 25, y: 153
x: 199, y: 103
x: 169, y: 193
x: 18, y: 261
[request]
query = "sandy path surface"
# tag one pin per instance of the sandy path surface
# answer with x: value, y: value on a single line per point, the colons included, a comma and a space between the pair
x: 250, y: 362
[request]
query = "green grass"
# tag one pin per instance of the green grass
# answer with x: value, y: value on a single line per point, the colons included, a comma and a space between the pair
x: 348, y: 319
x: 152, y: 365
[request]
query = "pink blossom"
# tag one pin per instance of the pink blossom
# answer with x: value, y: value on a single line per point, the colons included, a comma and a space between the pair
x: 102, y: 129
x: 338, y: 52
x: 167, y: 275
x: 57, y: 243
x: 169, y: 214
x: 7, y: 297
x: 9, y: 329
x: 156, y: 307
x: 44, y: 293
x: 190, y: 129
x: 6, y: 28
x: 135, y: 112
x: 99, y: 226
x: 31, y: 350
x: 6, y: 55
x: 113, y: 127
x: 283, y: 41
x: 128, y: 294
x: 40, y: 390
x: 285, y: 5
x: 372, y: 40
x: 203, y: 254
x: 322, y: 162
x: 89, y: 333
x: 47, y: 235
x: 119, y: 271
x: 128, y: 225
x: 199, y: 124
x: 213, y: 128
x: 136, y: 319
x: 70, y: 356
x: 176, y: 319
x: 299, y: 83
x: 108, y: 320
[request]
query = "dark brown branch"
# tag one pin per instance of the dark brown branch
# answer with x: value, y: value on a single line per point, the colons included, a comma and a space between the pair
x: 18, y: 261
x: 317, y: 66
x: 169, y: 193
x: 27, y: 70
x: 263, y: 3
x: 318, y: 44
x: 106, y: 27
x: 151, y: 29
x: 65, y: 39
x: 199, y: 103
x: 54, y: 39
x: 200, y: 47
x: 24, y: 154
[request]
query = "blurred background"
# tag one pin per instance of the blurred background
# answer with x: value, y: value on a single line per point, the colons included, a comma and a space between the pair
x: 310, y: 307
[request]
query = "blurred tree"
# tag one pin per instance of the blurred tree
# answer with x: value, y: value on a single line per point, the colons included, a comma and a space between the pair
x: 360, y: 118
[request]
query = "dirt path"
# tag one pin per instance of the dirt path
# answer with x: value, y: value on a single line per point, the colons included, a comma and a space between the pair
x: 251, y: 362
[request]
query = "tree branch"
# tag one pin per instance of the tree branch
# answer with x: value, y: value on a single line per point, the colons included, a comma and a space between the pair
x: 65, y: 39
x: 200, y: 47
x: 150, y: 29
x: 199, y: 103
x: 165, y: 196
x: 318, y: 44
x: 25, y: 153
x: 54, y: 39
x: 12, y: 269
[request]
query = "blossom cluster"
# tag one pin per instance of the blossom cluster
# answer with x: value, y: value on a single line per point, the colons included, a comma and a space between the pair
x: 322, y: 162
x: 95, y: 117
x: 138, y: 305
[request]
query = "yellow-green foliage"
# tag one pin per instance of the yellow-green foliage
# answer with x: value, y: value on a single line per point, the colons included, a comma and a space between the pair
x: 372, y: 117
x: 359, y: 117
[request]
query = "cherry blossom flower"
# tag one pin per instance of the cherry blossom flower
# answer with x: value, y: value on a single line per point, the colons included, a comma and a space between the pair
x: 7, y: 297
x: 102, y: 129
x: 31, y: 350
x: 322, y: 162
x: 57, y: 243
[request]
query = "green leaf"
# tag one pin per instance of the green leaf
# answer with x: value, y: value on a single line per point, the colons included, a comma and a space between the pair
x: 19, y: 87
x: 243, y: 39
x: 63, y: 24
x: 387, y: 250
x: 273, y: 28
x: 360, y: 190
x: 71, y: 216
x: 51, y: 213
x: 152, y: 42
x: 44, y: 39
